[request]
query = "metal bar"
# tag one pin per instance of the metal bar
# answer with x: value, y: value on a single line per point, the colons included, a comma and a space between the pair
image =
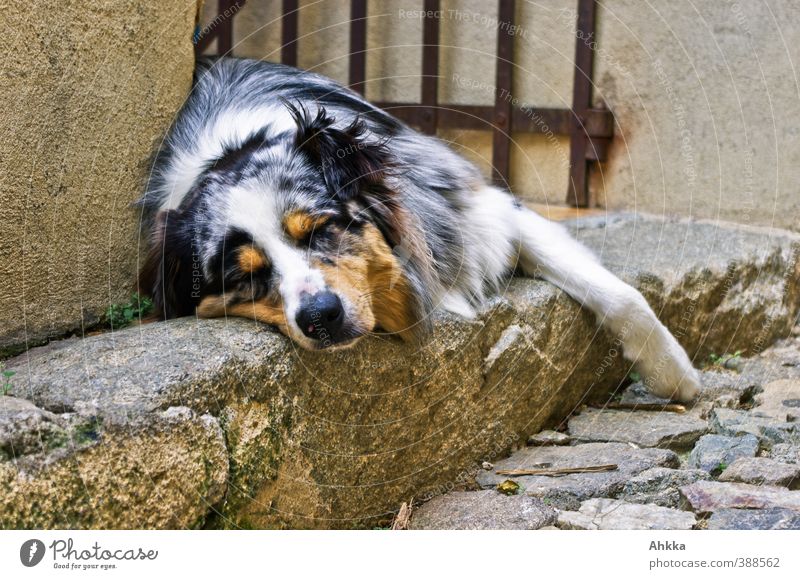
x: 501, y: 135
x: 202, y: 42
x: 430, y: 68
x: 578, y: 191
x: 599, y: 122
x: 224, y: 27
x: 220, y: 29
x: 289, y: 26
x: 358, y: 45
x: 449, y: 116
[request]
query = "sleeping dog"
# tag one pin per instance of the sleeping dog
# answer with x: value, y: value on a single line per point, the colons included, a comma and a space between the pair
x: 282, y: 196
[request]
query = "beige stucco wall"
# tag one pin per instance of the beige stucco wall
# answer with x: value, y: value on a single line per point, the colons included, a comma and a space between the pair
x: 87, y: 89
x: 705, y: 93
x: 708, y: 104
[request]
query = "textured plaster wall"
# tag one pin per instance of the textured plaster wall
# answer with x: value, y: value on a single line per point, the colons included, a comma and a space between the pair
x: 706, y: 93
x: 87, y: 89
x: 708, y: 103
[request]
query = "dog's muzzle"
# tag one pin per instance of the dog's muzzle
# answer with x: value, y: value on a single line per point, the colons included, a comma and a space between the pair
x: 321, y: 317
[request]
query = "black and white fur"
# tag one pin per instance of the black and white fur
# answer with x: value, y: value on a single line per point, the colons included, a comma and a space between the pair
x: 238, y: 157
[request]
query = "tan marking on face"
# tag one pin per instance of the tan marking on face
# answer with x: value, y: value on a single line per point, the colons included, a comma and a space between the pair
x: 391, y: 293
x: 300, y: 224
x: 348, y: 277
x: 268, y: 311
x: 372, y: 279
x: 250, y: 259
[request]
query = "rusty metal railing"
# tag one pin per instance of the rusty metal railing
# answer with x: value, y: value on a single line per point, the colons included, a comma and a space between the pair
x: 590, y: 129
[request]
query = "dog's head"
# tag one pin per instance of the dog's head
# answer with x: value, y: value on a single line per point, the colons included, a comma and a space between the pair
x: 298, y: 230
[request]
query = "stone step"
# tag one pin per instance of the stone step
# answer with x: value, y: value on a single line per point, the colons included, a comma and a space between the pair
x: 180, y: 411
x: 720, y: 287
x: 763, y: 471
x: 650, y: 429
x: 567, y: 492
x: 483, y: 510
x: 750, y: 519
x: 639, y: 502
x: 611, y: 514
x: 710, y: 496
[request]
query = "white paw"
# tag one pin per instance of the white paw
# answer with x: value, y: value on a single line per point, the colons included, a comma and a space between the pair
x: 669, y: 373
x: 683, y: 385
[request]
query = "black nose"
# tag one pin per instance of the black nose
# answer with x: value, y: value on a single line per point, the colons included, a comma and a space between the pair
x: 321, y: 316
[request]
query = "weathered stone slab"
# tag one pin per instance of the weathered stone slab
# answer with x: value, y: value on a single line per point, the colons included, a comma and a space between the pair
x: 167, y: 472
x: 710, y: 496
x: 479, y: 510
x: 341, y: 439
x: 754, y: 519
x: 743, y: 291
x: 714, y: 384
x: 786, y: 452
x: 549, y: 438
x: 768, y: 430
x: 762, y: 471
x: 611, y: 514
x: 566, y: 492
x: 637, y: 394
x: 717, y: 383
x: 660, y: 486
x: 780, y: 400
x: 656, y: 428
x: 780, y: 362
x: 26, y: 429
x: 713, y: 453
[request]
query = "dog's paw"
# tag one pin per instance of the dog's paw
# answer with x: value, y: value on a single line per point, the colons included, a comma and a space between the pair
x: 672, y: 375
x: 666, y: 370
x: 683, y: 386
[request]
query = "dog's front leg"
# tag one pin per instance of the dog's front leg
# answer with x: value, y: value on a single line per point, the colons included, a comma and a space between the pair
x: 548, y: 250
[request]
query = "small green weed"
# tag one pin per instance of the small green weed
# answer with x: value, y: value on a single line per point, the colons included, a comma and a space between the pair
x: 121, y: 315
x: 6, y: 385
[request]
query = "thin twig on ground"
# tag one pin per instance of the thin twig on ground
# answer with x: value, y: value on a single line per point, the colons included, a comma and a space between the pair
x: 557, y: 471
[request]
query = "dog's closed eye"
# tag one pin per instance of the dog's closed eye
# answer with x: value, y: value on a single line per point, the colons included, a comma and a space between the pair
x: 248, y: 273
x: 250, y: 259
x: 300, y: 225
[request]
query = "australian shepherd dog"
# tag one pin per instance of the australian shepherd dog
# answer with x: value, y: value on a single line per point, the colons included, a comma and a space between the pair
x: 282, y: 196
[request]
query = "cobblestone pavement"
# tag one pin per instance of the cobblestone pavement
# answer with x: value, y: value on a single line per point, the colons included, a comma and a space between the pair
x: 729, y: 461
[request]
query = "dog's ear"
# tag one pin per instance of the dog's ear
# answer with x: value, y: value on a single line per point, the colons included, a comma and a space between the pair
x: 166, y: 274
x: 350, y: 163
